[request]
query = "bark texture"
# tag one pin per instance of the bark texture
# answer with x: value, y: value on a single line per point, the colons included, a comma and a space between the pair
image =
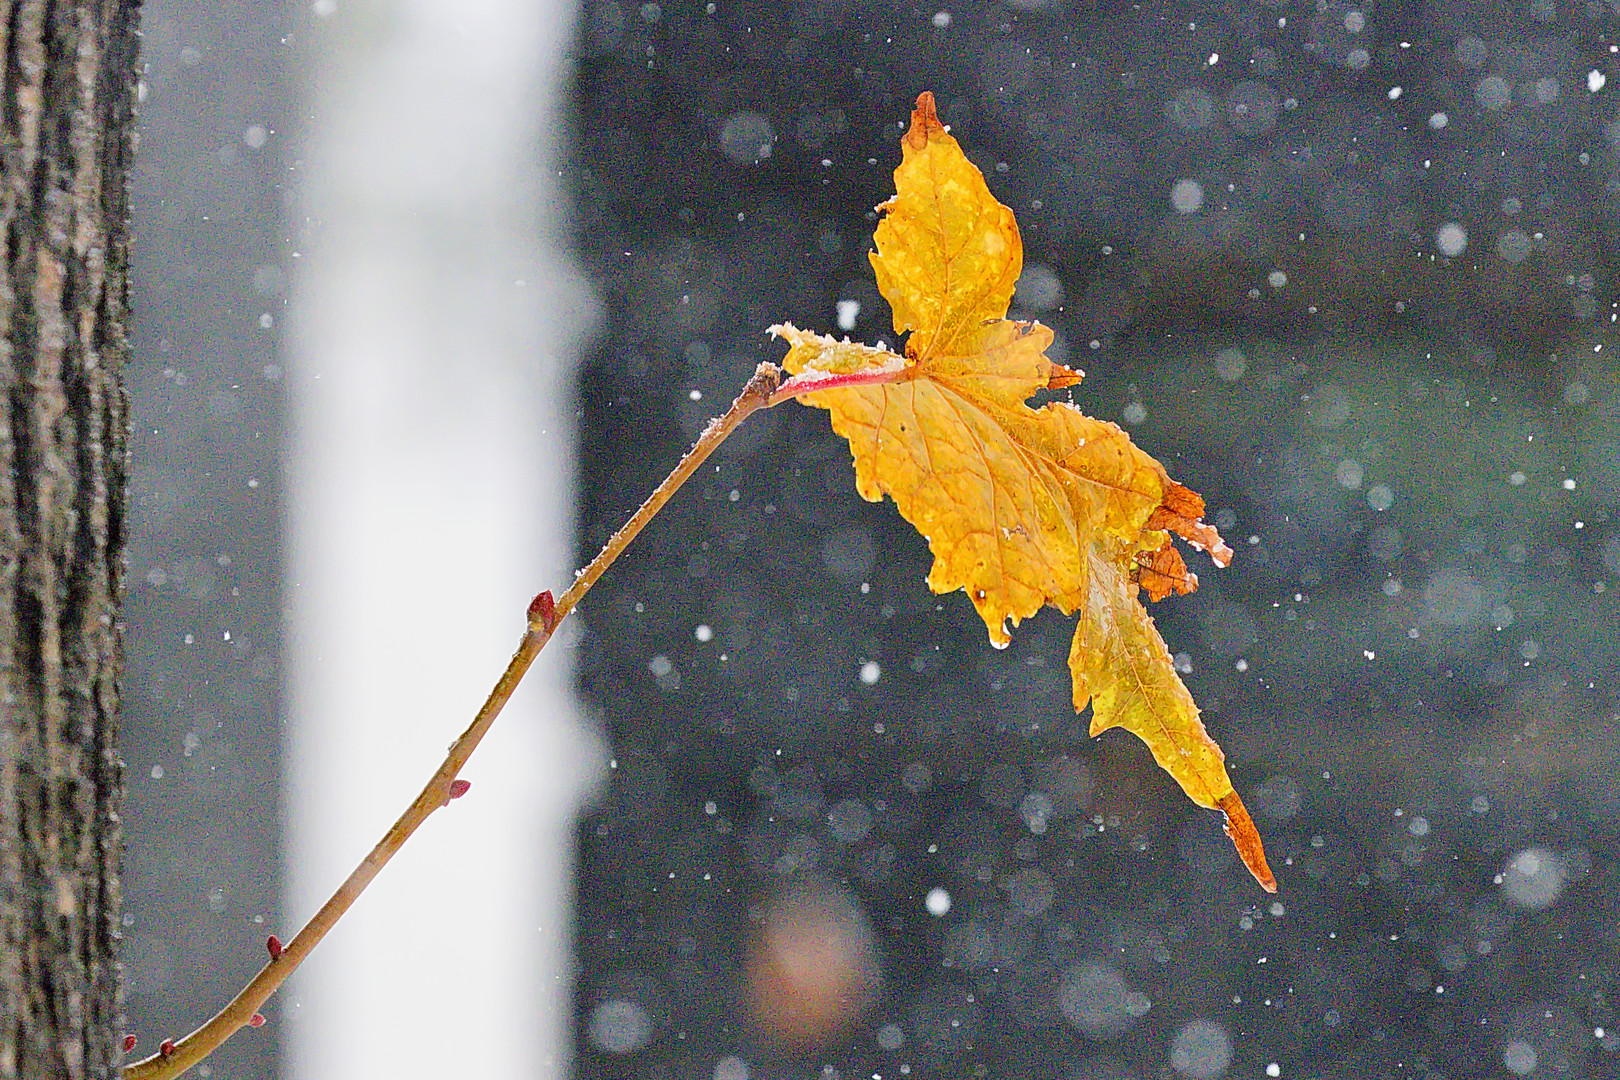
x: 67, y: 139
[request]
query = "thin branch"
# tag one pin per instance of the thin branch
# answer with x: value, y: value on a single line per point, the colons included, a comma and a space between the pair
x: 759, y: 393
x: 174, y: 1058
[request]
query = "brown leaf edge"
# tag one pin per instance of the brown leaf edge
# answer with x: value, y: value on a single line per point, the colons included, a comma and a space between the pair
x: 1163, y: 572
x: 1180, y: 511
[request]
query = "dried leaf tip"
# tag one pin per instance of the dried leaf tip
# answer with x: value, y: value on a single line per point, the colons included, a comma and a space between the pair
x: 924, y: 121
x: 1240, y: 827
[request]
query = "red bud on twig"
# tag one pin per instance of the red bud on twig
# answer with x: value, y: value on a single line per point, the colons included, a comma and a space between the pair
x: 273, y: 944
x: 167, y: 1048
x: 458, y: 788
x: 256, y: 1020
x: 543, y: 609
x: 129, y: 1043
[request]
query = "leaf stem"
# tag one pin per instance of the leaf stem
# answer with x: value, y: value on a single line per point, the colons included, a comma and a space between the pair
x: 811, y: 381
x: 175, y: 1057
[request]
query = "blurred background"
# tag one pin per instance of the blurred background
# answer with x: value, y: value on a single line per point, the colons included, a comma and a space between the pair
x: 431, y: 296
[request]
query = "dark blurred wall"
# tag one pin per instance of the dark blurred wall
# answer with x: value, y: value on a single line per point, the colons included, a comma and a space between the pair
x: 1349, y: 271
x: 202, y: 732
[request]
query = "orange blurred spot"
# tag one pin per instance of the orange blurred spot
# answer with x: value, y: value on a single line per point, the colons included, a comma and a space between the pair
x: 812, y: 969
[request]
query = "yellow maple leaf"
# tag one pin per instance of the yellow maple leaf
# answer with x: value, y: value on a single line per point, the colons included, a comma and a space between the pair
x: 1021, y: 507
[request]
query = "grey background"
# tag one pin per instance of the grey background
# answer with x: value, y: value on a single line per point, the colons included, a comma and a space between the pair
x: 201, y: 731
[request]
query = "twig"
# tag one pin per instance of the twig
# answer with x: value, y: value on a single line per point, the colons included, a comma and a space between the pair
x: 175, y: 1057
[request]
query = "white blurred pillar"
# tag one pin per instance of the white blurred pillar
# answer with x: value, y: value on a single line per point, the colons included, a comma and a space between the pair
x: 430, y: 494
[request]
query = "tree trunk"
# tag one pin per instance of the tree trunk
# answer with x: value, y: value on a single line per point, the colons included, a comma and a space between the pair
x: 67, y: 140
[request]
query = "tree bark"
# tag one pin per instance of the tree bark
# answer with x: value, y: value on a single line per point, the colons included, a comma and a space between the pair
x: 67, y: 138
